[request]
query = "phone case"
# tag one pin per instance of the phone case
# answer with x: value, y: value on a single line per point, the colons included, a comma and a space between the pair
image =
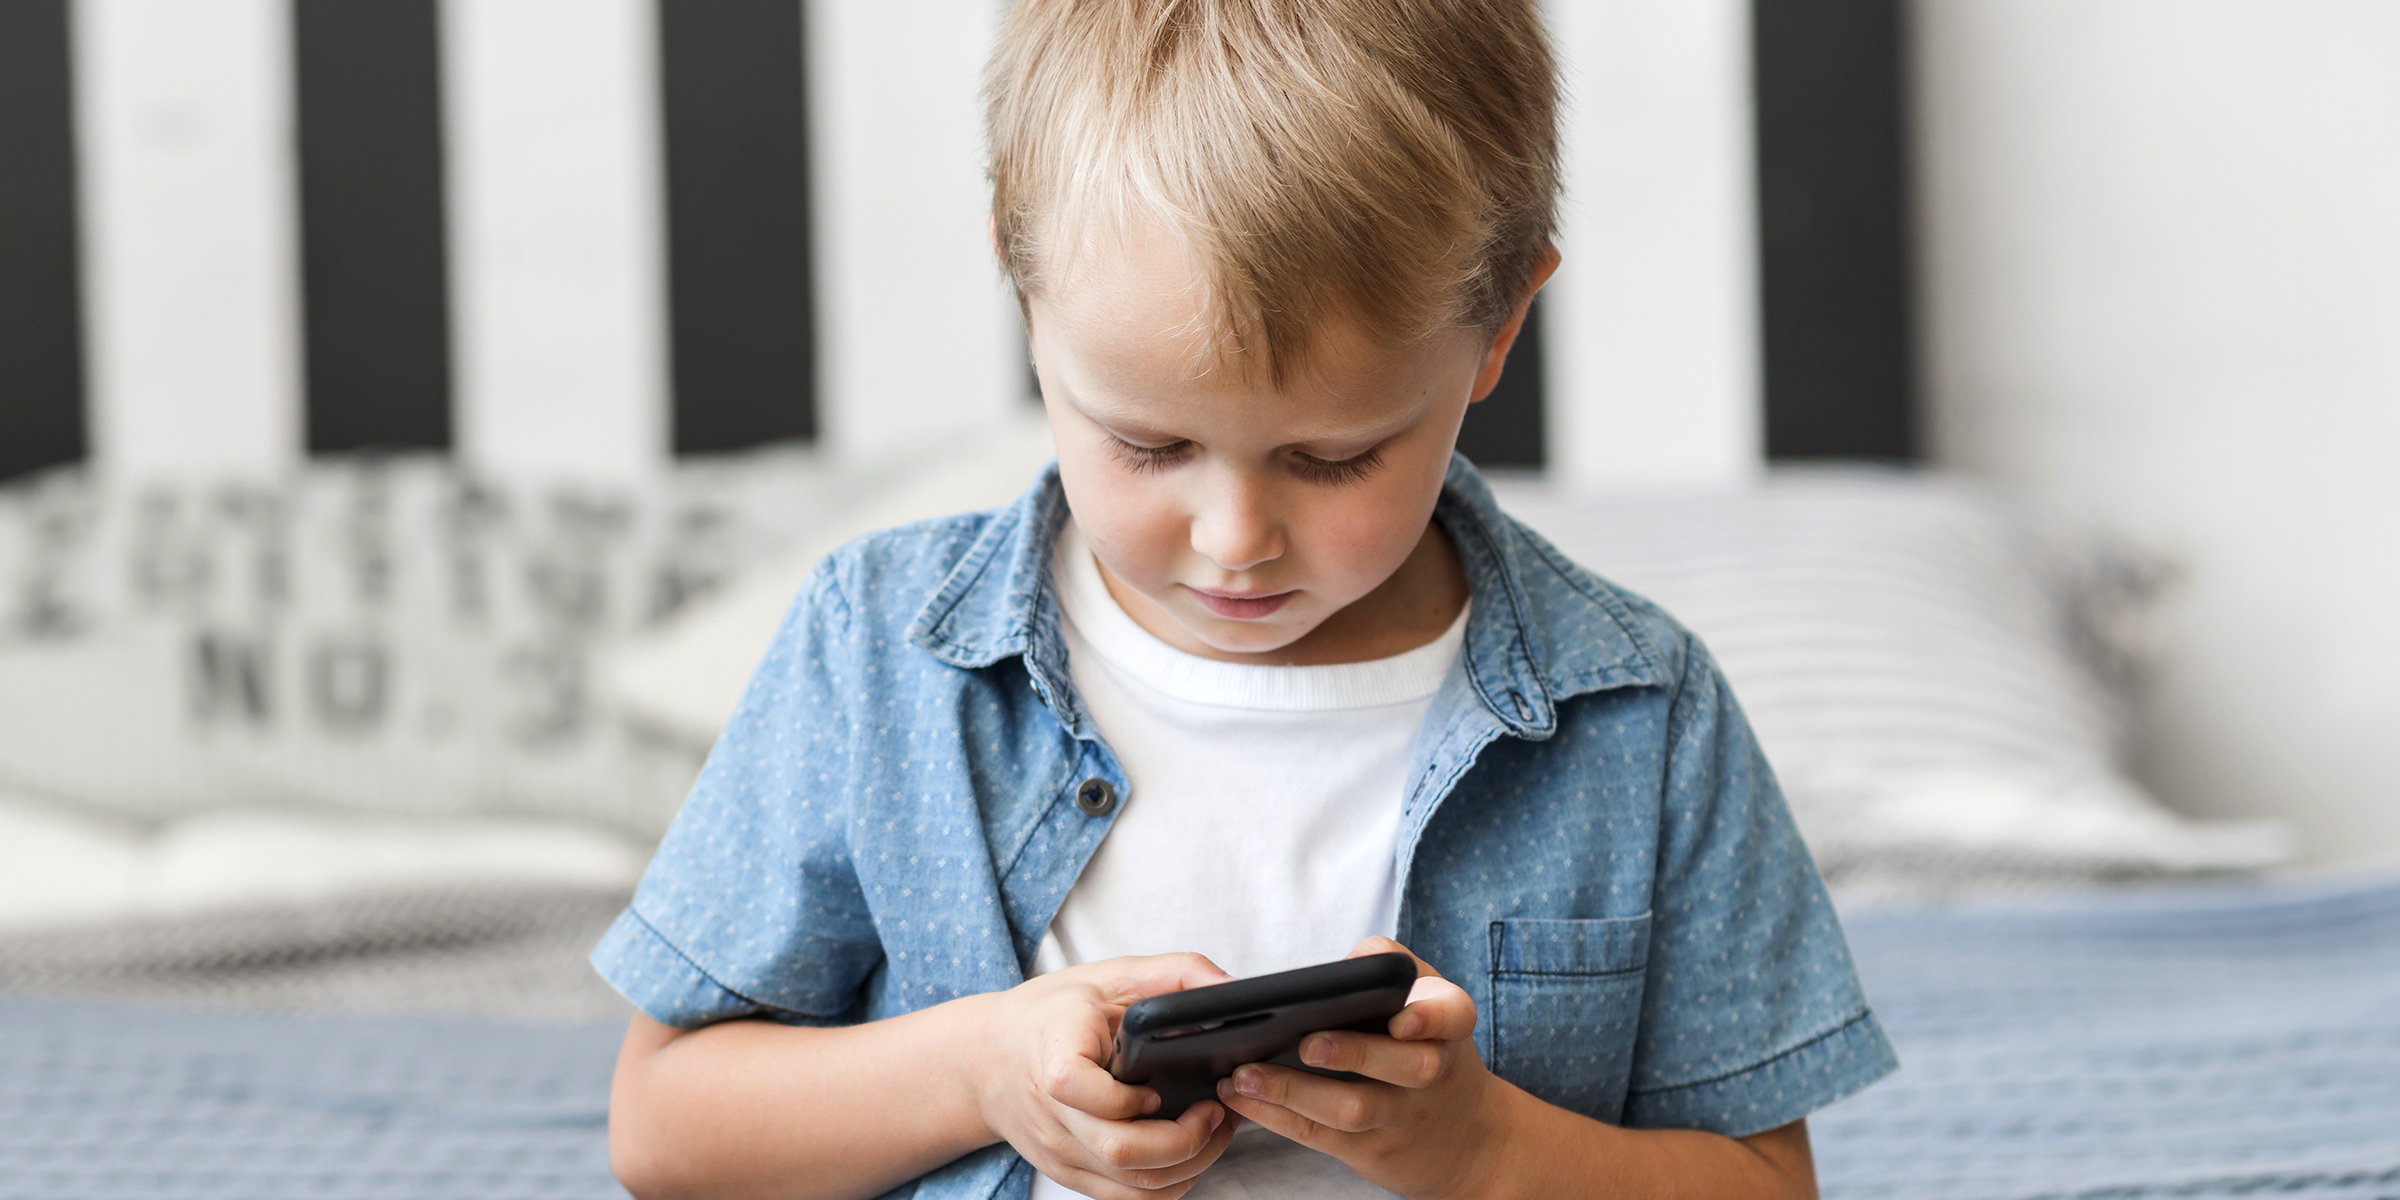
x: 1182, y: 1043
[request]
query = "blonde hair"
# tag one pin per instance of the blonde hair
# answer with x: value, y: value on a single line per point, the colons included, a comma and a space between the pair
x: 1392, y: 162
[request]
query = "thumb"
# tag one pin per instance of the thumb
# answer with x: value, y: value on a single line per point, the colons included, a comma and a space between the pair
x: 1142, y: 976
x: 1438, y: 1010
x: 1385, y: 945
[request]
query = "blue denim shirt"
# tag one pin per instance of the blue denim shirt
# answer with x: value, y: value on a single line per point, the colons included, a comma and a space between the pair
x: 1591, y: 843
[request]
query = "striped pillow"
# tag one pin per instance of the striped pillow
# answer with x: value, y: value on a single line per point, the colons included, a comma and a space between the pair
x: 1918, y: 661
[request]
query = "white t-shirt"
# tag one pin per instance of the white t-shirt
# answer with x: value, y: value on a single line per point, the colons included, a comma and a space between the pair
x: 1260, y: 822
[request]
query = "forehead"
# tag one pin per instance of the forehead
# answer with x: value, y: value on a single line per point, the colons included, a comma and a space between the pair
x: 1125, y: 326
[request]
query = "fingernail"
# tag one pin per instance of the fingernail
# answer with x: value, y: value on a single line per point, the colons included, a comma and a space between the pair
x: 1216, y: 1117
x: 1407, y: 1024
x: 1224, y: 1088
x: 1316, y: 1051
x: 1245, y: 1080
x: 1151, y: 1102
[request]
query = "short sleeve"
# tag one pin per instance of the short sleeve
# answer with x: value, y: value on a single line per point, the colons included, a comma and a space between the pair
x: 1752, y: 1015
x: 751, y: 906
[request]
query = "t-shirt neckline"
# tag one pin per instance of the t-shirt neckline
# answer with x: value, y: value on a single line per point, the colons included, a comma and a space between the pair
x: 1103, y: 625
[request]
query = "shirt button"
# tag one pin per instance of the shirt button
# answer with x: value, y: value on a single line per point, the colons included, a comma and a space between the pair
x: 1096, y: 798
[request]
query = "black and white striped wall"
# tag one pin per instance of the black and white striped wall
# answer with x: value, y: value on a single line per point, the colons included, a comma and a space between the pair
x: 578, y: 238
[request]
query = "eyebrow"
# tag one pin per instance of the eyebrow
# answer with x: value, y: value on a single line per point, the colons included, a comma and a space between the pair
x: 1368, y: 435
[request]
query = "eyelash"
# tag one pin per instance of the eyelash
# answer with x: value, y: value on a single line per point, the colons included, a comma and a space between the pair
x: 1348, y: 470
x: 1144, y: 459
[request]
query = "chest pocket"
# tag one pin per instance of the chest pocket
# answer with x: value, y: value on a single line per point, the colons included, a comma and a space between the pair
x: 1566, y: 998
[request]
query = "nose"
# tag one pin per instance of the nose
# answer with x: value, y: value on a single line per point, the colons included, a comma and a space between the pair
x: 1237, y: 526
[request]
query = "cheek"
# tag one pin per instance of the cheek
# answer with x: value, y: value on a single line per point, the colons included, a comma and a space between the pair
x: 1131, y: 522
x: 1365, y: 531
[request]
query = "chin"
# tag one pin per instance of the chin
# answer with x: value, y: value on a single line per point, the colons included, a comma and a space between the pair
x: 1240, y: 637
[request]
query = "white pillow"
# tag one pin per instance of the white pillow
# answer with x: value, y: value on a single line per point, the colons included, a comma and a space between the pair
x: 1920, y: 667
x: 683, y: 678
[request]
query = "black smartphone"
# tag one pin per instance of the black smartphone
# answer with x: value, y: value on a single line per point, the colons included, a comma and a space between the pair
x: 1182, y: 1043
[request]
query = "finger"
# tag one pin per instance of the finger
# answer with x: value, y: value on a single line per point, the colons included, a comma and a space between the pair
x: 1140, y: 977
x: 1278, y: 1120
x: 1286, y: 1123
x: 1096, y: 1186
x: 1121, y: 1146
x: 1402, y: 1064
x: 1162, y: 1183
x: 1438, y: 1010
x: 1351, y: 1107
x: 1379, y: 944
x: 1087, y: 1087
x: 1227, y: 1123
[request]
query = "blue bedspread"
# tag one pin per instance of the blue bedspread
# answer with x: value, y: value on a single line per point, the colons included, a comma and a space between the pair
x: 2220, y: 1042
x: 2217, y: 1043
x: 105, y: 1101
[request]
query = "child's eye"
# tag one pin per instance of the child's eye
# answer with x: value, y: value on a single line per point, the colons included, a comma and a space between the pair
x: 1148, y: 458
x: 1332, y: 471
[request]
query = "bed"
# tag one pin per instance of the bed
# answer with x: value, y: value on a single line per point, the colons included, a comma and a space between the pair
x: 2206, y: 1042
x: 2223, y: 1041
x: 375, y: 986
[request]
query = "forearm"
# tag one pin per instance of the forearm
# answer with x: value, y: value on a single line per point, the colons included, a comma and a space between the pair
x: 751, y: 1108
x: 1550, y: 1152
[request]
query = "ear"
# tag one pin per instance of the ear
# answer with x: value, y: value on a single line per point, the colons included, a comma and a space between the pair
x: 1496, y: 356
x: 991, y: 235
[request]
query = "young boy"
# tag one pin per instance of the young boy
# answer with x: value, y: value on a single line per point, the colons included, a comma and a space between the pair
x: 1257, y: 676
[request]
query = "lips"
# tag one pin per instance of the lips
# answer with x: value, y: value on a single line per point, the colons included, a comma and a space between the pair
x: 1243, y: 608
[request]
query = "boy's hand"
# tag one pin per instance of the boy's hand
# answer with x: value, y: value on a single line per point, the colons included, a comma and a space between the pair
x: 1425, y: 1121
x: 1043, y: 1085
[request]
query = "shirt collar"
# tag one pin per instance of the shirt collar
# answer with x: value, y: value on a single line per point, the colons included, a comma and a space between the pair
x: 1540, y: 630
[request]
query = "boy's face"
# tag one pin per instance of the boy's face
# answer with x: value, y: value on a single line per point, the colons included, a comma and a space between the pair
x: 1236, y: 521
